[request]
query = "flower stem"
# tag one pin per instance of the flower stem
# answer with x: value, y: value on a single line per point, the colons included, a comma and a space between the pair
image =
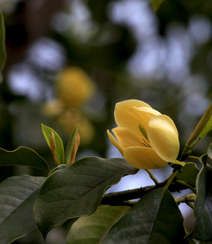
x: 193, y: 157
x: 190, y: 205
x: 152, y: 176
x: 171, y: 178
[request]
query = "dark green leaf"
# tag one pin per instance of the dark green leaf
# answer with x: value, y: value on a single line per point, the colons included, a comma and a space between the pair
x: 203, y: 204
x: 2, y: 43
x: 91, y: 229
x: 155, y: 218
x: 189, y: 173
x: 58, y: 153
x: 22, y: 156
x: 77, y: 190
x: 17, y: 197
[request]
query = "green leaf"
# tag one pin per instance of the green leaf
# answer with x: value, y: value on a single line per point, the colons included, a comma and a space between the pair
x: 58, y: 151
x: 156, y: 4
x: 77, y: 190
x: 17, y: 197
x: 2, y: 43
x: 206, y: 129
x: 188, y: 173
x: 22, y: 156
x: 202, y: 128
x: 203, y: 204
x: 155, y: 218
x: 91, y: 229
x: 70, y: 147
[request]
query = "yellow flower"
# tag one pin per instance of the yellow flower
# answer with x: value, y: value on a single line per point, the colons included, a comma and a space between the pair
x: 146, y: 138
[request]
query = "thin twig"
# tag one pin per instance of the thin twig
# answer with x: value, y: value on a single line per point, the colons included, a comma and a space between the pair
x: 186, y: 198
x: 171, y: 178
x: 186, y: 184
x: 193, y: 157
x: 152, y: 176
x: 190, y: 205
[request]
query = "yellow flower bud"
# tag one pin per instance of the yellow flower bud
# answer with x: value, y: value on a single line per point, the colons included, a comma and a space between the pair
x: 146, y: 138
x: 74, y: 87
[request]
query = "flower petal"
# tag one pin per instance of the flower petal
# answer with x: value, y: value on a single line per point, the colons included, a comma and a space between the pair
x: 148, y: 110
x: 126, y: 138
x: 163, y: 136
x: 115, y: 143
x: 127, y: 116
x: 143, y: 158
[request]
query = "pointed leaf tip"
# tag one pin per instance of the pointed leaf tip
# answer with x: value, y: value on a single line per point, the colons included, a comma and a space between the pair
x: 55, y: 143
x: 72, y: 147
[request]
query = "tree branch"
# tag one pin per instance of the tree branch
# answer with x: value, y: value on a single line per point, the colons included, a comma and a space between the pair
x: 118, y: 198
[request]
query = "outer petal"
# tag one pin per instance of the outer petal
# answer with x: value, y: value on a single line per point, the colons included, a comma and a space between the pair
x: 163, y: 136
x: 147, y: 110
x: 126, y: 115
x: 126, y: 138
x: 115, y: 143
x: 143, y: 158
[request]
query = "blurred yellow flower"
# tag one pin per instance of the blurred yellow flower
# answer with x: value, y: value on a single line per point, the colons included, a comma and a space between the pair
x: 70, y: 118
x: 146, y: 138
x: 74, y: 87
x: 53, y: 108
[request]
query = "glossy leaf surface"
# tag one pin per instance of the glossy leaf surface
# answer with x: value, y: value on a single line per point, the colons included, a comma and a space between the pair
x: 22, y: 156
x: 77, y: 190
x: 148, y: 221
x: 17, y: 197
x: 91, y: 229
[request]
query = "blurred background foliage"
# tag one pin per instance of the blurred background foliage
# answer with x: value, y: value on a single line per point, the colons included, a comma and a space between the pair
x: 70, y: 61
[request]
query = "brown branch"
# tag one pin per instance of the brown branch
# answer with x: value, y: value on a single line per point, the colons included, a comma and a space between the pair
x: 118, y: 198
